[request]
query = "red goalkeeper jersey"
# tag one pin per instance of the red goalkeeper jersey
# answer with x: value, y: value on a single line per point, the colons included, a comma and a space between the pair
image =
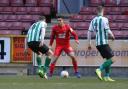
x: 62, y: 35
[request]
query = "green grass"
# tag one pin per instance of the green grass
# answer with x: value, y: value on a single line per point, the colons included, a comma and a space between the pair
x: 34, y: 82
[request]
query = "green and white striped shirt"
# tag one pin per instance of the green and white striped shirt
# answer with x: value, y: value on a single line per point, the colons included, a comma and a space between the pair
x: 35, y: 31
x: 100, y: 25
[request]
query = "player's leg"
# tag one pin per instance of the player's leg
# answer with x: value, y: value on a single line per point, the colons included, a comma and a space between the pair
x: 57, y: 53
x: 34, y: 46
x: 107, y: 71
x: 40, y: 71
x: 52, y: 65
x: 39, y: 62
x: 45, y: 50
x: 107, y: 74
x: 106, y: 64
x: 106, y: 52
x: 71, y: 54
x: 49, y: 56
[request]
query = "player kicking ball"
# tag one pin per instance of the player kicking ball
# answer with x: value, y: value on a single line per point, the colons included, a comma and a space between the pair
x: 35, y: 41
x: 100, y: 26
x: 61, y: 32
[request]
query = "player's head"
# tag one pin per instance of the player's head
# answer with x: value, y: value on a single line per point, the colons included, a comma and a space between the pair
x: 100, y: 10
x: 60, y: 21
x: 42, y: 18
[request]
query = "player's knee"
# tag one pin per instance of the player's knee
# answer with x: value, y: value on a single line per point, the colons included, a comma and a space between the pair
x: 113, y: 59
x: 49, y: 53
x: 73, y: 58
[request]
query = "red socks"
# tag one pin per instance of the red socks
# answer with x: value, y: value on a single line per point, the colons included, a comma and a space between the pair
x: 75, y: 66
x: 52, y: 67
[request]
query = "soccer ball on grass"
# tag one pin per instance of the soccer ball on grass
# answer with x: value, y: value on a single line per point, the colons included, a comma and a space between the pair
x: 64, y: 74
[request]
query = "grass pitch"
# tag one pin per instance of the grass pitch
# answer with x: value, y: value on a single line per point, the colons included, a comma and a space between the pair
x: 34, y: 82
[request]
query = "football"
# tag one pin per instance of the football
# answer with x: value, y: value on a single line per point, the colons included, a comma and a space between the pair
x: 64, y: 74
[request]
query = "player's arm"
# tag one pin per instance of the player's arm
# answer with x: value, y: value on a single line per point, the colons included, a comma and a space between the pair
x: 75, y: 35
x: 25, y: 46
x: 52, y: 37
x: 42, y: 36
x: 90, y: 30
x: 89, y: 39
x: 111, y: 34
x: 25, y: 41
x: 106, y: 25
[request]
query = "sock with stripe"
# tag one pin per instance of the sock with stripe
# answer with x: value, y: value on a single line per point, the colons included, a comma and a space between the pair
x: 39, y: 62
x: 106, y: 64
x: 46, y: 65
x: 107, y: 71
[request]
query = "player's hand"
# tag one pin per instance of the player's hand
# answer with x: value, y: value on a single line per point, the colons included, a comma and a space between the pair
x: 25, y: 52
x: 89, y: 47
x: 113, y: 38
x: 50, y: 47
x: 77, y: 41
x: 41, y: 44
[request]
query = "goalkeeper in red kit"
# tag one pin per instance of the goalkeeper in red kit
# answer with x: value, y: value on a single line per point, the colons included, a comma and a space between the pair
x: 61, y: 32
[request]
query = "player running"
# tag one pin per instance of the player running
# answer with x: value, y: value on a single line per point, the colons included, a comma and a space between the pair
x: 61, y: 32
x: 35, y: 41
x: 100, y: 26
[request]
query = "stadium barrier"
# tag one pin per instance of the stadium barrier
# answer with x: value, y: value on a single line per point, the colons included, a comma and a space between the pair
x: 92, y: 57
x: 12, y: 49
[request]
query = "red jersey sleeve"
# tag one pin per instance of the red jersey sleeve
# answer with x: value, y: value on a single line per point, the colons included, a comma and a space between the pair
x: 75, y: 35
x: 73, y: 32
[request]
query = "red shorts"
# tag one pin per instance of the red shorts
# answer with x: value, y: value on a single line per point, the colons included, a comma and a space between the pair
x: 59, y: 49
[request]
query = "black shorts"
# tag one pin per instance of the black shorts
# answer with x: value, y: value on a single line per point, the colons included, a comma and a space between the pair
x: 105, y: 51
x: 34, y: 46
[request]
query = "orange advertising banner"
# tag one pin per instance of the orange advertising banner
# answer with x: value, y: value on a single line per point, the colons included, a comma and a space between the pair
x: 18, y: 56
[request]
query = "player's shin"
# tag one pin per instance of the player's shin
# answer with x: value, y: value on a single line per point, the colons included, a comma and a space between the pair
x: 39, y: 63
x: 75, y: 66
x: 52, y: 67
x: 106, y: 64
x: 46, y: 65
x: 107, y: 71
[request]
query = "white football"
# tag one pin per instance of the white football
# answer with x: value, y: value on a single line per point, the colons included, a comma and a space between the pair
x: 64, y: 74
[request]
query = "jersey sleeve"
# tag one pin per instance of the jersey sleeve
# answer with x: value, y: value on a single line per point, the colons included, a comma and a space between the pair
x: 68, y: 26
x: 43, y: 25
x: 91, y: 29
x: 74, y: 34
x: 43, y: 29
x: 106, y: 24
x: 42, y: 35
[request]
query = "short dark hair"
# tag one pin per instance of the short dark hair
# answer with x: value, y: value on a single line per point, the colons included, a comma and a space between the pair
x: 60, y: 18
x: 42, y: 18
x: 99, y: 9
